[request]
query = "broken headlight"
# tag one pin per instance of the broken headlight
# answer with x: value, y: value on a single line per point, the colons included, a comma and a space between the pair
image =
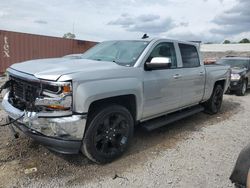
x: 55, y: 96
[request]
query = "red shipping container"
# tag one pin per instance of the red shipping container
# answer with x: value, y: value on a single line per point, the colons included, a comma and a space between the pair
x: 17, y: 47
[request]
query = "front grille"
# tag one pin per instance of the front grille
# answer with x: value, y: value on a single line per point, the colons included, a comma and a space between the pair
x: 23, y: 93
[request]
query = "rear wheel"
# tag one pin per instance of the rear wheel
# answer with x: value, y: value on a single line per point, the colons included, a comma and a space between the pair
x: 213, y: 105
x: 109, y: 134
x: 228, y: 92
x: 243, y: 89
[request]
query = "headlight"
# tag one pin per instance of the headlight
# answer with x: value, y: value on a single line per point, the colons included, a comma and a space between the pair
x: 235, y: 77
x: 56, y: 89
x: 57, y: 96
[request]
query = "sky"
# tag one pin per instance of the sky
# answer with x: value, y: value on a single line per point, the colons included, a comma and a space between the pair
x: 99, y: 20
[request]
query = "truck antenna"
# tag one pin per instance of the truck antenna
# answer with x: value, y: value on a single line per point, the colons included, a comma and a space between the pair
x: 145, y: 36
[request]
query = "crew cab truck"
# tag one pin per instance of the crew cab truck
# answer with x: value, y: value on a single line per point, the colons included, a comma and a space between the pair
x: 92, y: 104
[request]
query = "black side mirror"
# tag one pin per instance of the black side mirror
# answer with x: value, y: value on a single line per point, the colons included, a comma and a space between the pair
x: 158, y: 63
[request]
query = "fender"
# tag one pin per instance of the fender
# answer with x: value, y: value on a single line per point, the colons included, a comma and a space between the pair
x: 88, y: 92
x: 213, y: 75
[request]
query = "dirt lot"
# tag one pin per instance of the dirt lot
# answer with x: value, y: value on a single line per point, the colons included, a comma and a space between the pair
x: 199, y: 151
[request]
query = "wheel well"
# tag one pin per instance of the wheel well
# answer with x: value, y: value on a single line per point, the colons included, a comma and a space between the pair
x: 221, y: 83
x: 128, y: 101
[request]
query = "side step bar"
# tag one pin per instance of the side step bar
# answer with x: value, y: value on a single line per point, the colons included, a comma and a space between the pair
x: 170, y: 118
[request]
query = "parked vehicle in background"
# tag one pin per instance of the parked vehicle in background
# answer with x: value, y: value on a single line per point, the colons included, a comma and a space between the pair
x: 92, y: 104
x: 240, y: 75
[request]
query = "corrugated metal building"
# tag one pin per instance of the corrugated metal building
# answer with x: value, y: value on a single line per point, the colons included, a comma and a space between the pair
x: 225, y: 47
x: 16, y: 47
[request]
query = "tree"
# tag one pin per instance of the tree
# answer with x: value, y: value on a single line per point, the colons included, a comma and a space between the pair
x: 245, y: 40
x: 227, y: 42
x: 69, y: 35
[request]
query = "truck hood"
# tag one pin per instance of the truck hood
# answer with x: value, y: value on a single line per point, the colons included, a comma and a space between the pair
x: 238, y: 70
x: 53, y: 69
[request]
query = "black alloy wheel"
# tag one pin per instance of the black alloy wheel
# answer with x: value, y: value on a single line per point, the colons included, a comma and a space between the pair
x: 109, y: 134
x: 213, y: 105
x: 217, y: 99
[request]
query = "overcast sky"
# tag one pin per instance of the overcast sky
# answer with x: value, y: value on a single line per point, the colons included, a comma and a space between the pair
x: 206, y: 20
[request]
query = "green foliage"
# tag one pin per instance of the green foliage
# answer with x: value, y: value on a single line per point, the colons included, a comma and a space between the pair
x: 69, y: 35
x: 245, y: 40
x: 227, y: 42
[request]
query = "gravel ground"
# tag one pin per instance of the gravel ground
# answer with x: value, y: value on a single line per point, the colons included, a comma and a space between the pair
x: 199, y: 151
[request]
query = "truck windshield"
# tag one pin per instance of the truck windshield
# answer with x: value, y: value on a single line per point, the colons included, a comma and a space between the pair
x: 234, y: 63
x: 123, y: 53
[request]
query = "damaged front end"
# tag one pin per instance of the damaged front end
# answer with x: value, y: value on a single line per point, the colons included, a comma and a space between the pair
x: 47, y: 110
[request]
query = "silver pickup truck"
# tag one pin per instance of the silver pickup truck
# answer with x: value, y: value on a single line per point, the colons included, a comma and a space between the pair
x: 91, y: 104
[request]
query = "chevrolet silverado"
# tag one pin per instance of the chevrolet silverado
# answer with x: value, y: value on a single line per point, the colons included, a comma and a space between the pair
x: 91, y: 104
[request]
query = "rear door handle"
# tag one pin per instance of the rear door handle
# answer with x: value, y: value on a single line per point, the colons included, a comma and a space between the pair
x: 177, y: 76
x: 201, y: 73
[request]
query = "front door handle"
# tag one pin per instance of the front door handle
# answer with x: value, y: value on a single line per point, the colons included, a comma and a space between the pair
x: 177, y: 76
x: 201, y: 73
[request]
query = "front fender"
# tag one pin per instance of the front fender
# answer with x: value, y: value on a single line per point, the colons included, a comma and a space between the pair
x: 87, y: 92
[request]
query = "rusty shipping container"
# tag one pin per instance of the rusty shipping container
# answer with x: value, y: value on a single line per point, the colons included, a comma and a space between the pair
x: 17, y: 47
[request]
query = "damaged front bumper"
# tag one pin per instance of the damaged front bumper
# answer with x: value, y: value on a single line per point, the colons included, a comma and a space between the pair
x: 61, y: 134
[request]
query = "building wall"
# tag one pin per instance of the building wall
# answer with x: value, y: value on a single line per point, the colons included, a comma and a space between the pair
x: 218, y: 55
x: 17, y: 47
x: 225, y: 47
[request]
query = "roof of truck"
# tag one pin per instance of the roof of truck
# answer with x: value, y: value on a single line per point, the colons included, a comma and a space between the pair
x: 196, y: 43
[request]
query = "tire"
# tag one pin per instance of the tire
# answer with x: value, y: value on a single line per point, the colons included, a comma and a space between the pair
x: 228, y: 92
x: 243, y: 89
x: 239, y: 186
x: 109, y: 133
x: 213, y: 105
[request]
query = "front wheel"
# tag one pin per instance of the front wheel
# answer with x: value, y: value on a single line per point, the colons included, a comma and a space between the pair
x: 109, y: 134
x: 213, y: 105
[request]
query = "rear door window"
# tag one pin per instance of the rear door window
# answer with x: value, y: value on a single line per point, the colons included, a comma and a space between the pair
x: 189, y: 54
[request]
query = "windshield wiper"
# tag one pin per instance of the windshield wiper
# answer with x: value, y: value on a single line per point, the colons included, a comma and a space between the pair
x: 98, y: 59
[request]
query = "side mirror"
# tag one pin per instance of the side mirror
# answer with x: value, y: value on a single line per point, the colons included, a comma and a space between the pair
x: 158, y: 63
